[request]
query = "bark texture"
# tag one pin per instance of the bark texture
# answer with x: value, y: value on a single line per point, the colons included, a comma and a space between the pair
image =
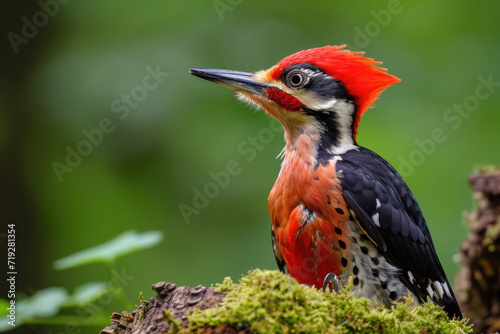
x: 478, y: 281
x: 150, y: 316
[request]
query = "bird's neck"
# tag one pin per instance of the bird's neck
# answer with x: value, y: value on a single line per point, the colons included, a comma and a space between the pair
x: 319, y: 140
x: 301, y: 149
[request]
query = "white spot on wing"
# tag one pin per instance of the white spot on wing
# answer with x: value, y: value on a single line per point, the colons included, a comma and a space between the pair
x: 446, y: 290
x: 378, y: 203
x: 430, y: 291
x: 438, y: 287
x: 412, y: 278
x: 375, y: 219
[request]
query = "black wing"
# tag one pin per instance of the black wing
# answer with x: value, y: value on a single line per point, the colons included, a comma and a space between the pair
x: 388, y: 212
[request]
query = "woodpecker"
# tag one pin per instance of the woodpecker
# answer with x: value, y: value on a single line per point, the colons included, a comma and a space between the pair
x: 339, y: 210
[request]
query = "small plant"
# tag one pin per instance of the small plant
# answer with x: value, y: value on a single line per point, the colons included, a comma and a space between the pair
x: 45, y: 306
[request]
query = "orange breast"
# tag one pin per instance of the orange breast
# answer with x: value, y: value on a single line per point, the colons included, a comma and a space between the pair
x: 310, y: 220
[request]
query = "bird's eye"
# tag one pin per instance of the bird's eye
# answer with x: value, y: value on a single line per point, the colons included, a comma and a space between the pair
x: 296, y: 79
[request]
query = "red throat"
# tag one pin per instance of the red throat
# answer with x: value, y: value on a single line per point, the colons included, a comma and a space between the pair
x: 361, y: 76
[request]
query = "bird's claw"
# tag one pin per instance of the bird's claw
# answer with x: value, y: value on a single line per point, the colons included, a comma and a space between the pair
x: 332, y: 282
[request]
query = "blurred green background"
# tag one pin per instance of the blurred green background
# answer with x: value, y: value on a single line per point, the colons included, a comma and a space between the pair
x: 82, y: 62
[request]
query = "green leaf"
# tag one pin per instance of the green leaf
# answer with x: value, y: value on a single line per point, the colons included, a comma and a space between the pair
x: 87, y: 293
x: 44, y: 303
x: 125, y: 243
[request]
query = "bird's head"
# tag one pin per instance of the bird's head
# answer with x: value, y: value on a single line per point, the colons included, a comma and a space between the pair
x: 321, y: 92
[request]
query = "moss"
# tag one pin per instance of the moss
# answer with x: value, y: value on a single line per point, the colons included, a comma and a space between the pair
x: 141, y: 297
x: 170, y: 320
x: 271, y: 302
x: 227, y: 285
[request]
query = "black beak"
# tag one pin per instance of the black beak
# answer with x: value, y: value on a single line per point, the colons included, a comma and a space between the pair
x: 241, y: 81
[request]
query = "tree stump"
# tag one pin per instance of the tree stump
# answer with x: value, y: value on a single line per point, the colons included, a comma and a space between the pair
x: 478, y: 281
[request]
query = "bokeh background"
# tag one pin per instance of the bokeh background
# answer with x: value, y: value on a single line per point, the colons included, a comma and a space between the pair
x: 82, y: 62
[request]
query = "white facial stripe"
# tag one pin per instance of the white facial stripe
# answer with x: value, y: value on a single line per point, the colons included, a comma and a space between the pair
x: 344, y: 111
x: 315, y: 103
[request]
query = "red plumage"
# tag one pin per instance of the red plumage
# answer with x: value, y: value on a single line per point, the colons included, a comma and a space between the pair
x: 284, y: 100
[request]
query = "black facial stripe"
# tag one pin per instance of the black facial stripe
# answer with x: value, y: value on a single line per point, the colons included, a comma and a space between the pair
x: 329, y: 138
x: 322, y: 84
x: 329, y: 88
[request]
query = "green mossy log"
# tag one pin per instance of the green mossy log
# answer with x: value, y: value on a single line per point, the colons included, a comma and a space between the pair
x: 271, y: 302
